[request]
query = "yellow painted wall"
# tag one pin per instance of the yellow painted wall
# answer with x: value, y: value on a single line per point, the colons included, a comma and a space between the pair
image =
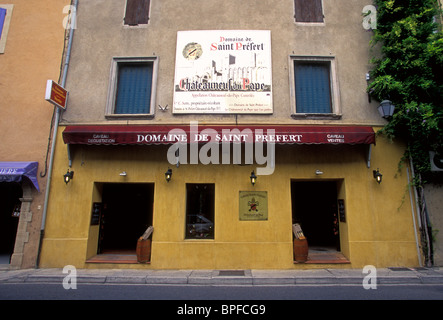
x: 378, y: 228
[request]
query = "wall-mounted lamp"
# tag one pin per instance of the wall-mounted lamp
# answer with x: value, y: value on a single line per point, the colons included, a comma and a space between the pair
x: 168, y: 175
x: 377, y: 175
x: 68, y: 176
x: 318, y: 172
x: 386, y: 109
x: 253, y: 178
x: 123, y: 174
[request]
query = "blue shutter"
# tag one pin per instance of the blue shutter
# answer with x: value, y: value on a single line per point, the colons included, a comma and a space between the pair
x: 134, y: 88
x: 2, y: 20
x: 312, y: 87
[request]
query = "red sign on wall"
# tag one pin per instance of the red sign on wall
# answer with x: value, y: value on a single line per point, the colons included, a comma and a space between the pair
x: 56, y: 94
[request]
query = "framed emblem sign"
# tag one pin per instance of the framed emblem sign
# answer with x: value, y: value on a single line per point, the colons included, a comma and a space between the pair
x: 253, y: 205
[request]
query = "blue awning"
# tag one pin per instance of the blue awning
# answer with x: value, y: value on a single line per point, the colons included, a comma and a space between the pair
x: 14, y: 172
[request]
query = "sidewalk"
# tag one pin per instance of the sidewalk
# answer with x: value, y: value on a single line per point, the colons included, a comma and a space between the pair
x: 227, y: 277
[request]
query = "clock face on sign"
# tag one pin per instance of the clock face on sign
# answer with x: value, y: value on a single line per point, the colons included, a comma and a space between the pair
x: 192, y: 51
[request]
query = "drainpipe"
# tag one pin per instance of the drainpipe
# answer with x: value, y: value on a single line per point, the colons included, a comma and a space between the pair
x: 421, y: 216
x: 54, y: 135
x: 414, y: 221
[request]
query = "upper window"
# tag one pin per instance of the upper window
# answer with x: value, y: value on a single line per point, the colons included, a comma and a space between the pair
x: 315, y: 92
x: 137, y: 12
x: 5, y: 19
x: 308, y: 11
x: 312, y: 87
x: 2, y: 19
x: 132, y: 87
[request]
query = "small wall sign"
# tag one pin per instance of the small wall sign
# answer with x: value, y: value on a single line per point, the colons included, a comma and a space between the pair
x: 253, y: 205
x: 56, y: 94
x: 96, y: 212
x: 341, y: 210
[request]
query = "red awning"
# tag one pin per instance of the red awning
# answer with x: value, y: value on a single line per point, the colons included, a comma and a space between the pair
x: 155, y: 134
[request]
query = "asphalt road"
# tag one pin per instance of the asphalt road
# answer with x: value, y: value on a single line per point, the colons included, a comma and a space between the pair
x: 30, y: 291
x: 212, y: 302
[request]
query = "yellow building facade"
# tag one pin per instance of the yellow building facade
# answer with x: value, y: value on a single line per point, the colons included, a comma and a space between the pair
x: 208, y: 214
x: 375, y: 230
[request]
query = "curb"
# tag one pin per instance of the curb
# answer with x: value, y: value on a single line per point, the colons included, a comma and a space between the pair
x: 215, y: 277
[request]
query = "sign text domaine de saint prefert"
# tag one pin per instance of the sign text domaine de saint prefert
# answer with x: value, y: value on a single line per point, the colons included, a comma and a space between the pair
x: 216, y: 137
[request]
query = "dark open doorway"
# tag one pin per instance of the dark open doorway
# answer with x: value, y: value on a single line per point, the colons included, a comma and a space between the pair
x: 314, y: 207
x: 10, y: 194
x: 126, y: 214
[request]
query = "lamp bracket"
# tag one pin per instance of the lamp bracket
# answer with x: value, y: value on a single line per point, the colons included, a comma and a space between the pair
x: 368, y: 156
x: 69, y: 156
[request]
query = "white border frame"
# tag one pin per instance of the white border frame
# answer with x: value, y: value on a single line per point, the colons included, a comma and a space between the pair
x: 113, y: 82
x: 333, y: 81
x: 4, y: 35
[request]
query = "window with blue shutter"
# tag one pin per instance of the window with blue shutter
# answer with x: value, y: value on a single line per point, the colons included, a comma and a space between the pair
x: 134, y: 88
x: 312, y: 87
x: 2, y: 20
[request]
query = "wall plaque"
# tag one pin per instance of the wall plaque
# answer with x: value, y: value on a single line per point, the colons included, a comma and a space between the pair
x: 341, y: 210
x: 96, y: 212
x: 253, y: 205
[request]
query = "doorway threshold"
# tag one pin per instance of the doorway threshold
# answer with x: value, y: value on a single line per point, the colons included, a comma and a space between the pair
x: 114, y: 257
x: 324, y: 255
